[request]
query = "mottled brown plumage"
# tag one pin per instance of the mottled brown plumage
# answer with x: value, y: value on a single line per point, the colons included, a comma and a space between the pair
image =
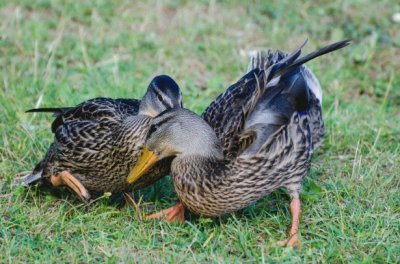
x: 99, y: 140
x: 256, y: 137
x: 209, y: 184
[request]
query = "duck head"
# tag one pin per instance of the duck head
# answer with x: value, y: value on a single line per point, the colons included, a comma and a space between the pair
x: 163, y: 93
x: 176, y: 132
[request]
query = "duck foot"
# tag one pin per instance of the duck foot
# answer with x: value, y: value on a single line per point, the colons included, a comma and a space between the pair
x: 175, y: 213
x: 293, y: 241
x: 66, y: 178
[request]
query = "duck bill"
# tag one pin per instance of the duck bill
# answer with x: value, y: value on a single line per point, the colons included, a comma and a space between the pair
x: 145, y: 162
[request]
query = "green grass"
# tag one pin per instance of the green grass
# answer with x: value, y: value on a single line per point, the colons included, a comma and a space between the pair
x: 59, y: 54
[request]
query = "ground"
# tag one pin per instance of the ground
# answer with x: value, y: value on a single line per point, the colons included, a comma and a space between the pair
x: 58, y: 54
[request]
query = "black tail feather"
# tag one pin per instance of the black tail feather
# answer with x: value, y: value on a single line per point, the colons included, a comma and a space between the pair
x: 288, y: 65
x: 290, y: 59
x: 55, y: 110
x: 313, y: 55
x: 33, y: 178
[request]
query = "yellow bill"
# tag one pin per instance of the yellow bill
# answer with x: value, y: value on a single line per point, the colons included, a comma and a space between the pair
x: 145, y: 162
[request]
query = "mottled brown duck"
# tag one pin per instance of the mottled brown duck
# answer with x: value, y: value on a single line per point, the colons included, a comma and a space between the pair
x: 256, y: 137
x: 97, y: 143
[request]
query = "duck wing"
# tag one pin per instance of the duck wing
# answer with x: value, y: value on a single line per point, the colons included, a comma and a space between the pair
x: 228, y: 113
x: 84, y: 133
x: 291, y: 93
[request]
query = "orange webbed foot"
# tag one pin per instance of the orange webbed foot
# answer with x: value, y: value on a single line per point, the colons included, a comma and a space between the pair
x: 66, y: 178
x: 292, y: 241
x: 175, y: 213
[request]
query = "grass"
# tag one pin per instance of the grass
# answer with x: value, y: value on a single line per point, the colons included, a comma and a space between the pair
x: 56, y: 53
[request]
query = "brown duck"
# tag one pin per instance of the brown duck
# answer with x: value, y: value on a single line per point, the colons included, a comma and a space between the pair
x: 256, y: 137
x: 97, y: 143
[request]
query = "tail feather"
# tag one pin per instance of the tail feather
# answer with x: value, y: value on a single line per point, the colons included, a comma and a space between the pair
x: 284, y: 93
x: 55, y: 110
x: 292, y: 62
x: 313, y: 55
x: 32, y: 178
x: 289, y: 60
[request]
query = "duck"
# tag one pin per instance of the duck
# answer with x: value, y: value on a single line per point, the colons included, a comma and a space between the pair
x: 256, y: 137
x: 98, y: 142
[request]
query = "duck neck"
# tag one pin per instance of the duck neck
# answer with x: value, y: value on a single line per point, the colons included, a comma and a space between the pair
x: 203, y: 150
x: 147, y: 110
x: 198, y: 161
x: 194, y: 169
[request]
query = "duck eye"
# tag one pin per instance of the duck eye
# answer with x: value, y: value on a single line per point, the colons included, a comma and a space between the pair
x: 152, y: 129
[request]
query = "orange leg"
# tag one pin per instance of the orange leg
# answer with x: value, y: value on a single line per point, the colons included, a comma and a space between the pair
x: 66, y: 178
x: 295, y: 210
x: 174, y: 213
